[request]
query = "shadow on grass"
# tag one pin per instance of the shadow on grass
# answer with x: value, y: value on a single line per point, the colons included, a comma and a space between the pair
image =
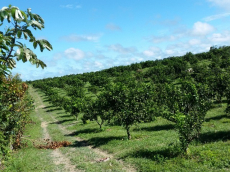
x: 64, y: 116
x: 214, y: 136
x: 99, y: 141
x: 218, y: 102
x: 51, y: 110
x: 51, y: 106
x: 82, y: 143
x: 61, y: 112
x: 43, y: 96
x: 62, y: 121
x: 95, y: 141
x: 217, y: 117
x: 157, y: 128
x: 46, y: 100
x: 84, y: 131
x: 154, y: 155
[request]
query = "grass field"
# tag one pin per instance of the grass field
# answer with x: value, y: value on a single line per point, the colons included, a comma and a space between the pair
x: 153, y: 146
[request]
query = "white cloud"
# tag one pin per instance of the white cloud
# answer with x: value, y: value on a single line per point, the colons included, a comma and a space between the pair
x: 194, y: 41
x: 167, y: 23
x: 148, y: 53
x: 225, y: 4
x: 218, y: 38
x: 78, y: 6
x: 182, y: 33
x: 120, y: 49
x: 74, y: 53
x: 71, y: 6
x: 98, y: 64
x: 170, y: 52
x: 158, y: 39
x: 215, y: 17
x: 202, y: 29
x: 79, y: 38
x: 57, y: 56
x: 182, y: 48
x: 198, y: 45
x: 153, y: 52
x: 113, y: 27
x: 67, y: 6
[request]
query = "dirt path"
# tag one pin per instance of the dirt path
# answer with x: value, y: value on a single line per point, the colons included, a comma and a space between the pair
x: 79, y: 158
x: 57, y: 156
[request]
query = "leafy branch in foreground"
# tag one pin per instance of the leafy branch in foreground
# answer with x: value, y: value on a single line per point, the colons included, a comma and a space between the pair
x: 21, y: 22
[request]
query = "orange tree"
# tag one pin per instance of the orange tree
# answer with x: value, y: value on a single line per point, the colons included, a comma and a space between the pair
x: 123, y: 105
x: 186, y: 104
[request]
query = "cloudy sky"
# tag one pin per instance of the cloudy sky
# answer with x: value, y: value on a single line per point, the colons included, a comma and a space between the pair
x: 91, y: 35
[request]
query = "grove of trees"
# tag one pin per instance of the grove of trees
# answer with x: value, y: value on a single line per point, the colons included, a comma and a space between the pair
x: 179, y: 89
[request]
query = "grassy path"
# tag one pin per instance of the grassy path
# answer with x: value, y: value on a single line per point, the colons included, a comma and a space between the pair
x: 102, y: 150
x: 79, y: 156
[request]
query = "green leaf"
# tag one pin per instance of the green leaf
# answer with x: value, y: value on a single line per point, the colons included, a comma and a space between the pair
x: 13, y: 12
x: 18, y: 14
x: 27, y: 54
x: 47, y: 45
x: 25, y: 35
x: 9, y: 17
x: 35, y: 44
x: 40, y: 43
x: 19, y: 34
x: 39, y: 19
x: 29, y: 33
x: 37, y: 24
x: 24, y: 15
x: 20, y: 44
x: 11, y: 63
x: 16, y: 45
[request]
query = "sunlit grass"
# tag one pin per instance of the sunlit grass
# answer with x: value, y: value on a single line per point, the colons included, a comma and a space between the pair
x: 152, y: 147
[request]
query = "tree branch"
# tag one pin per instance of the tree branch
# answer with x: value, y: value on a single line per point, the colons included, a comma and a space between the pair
x: 13, y: 41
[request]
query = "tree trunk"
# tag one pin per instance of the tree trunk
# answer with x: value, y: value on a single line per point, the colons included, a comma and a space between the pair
x: 128, y: 133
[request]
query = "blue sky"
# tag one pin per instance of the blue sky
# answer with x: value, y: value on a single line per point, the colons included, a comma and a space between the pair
x: 91, y: 35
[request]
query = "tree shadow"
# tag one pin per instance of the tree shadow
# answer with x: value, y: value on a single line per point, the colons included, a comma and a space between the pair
x: 51, y: 110
x: 62, y: 112
x: 154, y: 155
x: 217, y: 117
x: 84, y: 131
x: 218, y: 102
x: 51, y: 106
x: 82, y: 143
x: 62, y: 121
x: 95, y: 141
x: 64, y: 116
x: 46, y: 100
x: 214, y: 136
x: 99, y: 141
x: 156, y: 128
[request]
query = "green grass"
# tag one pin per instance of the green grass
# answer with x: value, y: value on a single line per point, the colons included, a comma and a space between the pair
x: 61, y: 92
x: 33, y: 159
x: 152, y: 147
x: 30, y: 158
